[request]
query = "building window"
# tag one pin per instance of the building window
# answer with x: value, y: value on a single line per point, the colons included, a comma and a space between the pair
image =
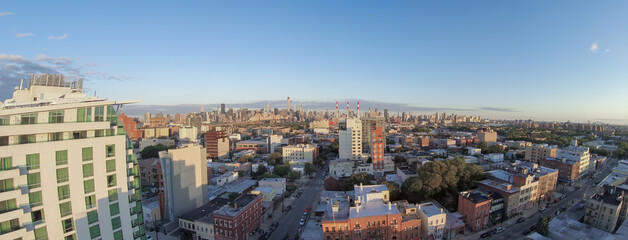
x: 4, y: 121
x: 61, y: 157
x: 32, y: 161
x: 7, y: 205
x: 33, y: 180
x: 41, y: 233
x: 55, y: 117
x: 111, y: 165
x: 87, y: 154
x: 88, y: 170
x: 88, y: 186
x: 114, y: 209
x: 92, y: 217
x: 99, y: 114
x: 62, y: 175
x: 58, y: 136
x: 90, y: 201
x: 110, y: 150
x: 29, y: 119
x: 65, y: 209
x: 94, y: 231
x: 24, y: 139
x: 111, y: 180
x: 113, y: 195
x: 115, y: 223
x: 6, y: 185
x: 64, y: 192
x: 6, y: 163
x: 117, y: 235
x: 68, y: 225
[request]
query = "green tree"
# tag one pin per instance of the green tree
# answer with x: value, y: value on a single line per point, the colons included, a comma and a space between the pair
x: 356, y: 179
x: 294, y: 175
x: 309, y: 169
x: 275, y: 158
x: 399, y: 159
x: 413, y: 189
x: 483, y: 146
x: 393, y: 189
x: 261, y: 170
x: 495, y: 149
x: 153, y: 151
x: 542, y: 226
x: 282, y: 170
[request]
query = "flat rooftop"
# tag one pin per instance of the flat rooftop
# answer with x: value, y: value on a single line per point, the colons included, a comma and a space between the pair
x: 205, y: 210
x: 477, y: 196
x: 364, y: 189
x: 429, y: 209
x: 341, y: 214
x: 373, y: 208
x: 239, y: 185
x: 562, y: 227
x: 242, y: 202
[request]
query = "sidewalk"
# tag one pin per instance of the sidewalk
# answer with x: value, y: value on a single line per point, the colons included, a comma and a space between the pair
x: 512, y: 221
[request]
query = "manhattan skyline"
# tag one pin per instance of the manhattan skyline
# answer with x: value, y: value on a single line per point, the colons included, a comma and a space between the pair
x: 544, y: 61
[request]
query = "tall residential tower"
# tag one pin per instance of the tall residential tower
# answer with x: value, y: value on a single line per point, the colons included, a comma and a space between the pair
x: 68, y: 170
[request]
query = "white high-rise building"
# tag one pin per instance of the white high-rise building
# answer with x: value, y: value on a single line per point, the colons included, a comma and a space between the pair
x: 576, y: 153
x: 67, y: 169
x: 350, y: 139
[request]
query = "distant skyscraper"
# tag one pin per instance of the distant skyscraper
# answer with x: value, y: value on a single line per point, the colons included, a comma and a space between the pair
x: 146, y: 118
x: 222, y: 108
x: 288, y: 103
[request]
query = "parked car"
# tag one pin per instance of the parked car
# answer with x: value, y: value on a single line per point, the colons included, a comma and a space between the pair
x: 533, y: 227
x: 542, y: 209
x: 527, y: 231
x: 302, y: 222
x: 520, y: 220
x: 486, y: 234
x: 288, y: 207
x: 499, y: 230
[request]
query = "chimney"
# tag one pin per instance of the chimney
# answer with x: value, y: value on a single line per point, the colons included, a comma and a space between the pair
x: 360, y: 186
x: 235, y: 205
x: 357, y: 209
x: 441, y: 210
x: 389, y: 206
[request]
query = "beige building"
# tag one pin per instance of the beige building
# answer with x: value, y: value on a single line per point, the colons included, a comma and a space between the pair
x: 606, y: 210
x: 185, y: 179
x: 188, y: 133
x: 578, y: 154
x: 537, y: 152
x: 307, y: 152
x: 350, y: 139
x: 66, y: 170
x: 432, y: 221
x: 487, y: 135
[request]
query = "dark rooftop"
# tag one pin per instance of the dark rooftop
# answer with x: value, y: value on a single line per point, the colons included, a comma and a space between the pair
x: 233, y: 208
x: 477, y: 196
x: 205, y: 210
x: 610, y: 195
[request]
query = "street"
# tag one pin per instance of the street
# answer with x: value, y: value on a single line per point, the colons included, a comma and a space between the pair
x: 515, y: 231
x: 289, y: 222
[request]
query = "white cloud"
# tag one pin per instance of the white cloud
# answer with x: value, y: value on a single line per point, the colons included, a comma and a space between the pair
x: 21, y: 35
x: 5, y: 14
x: 64, y: 36
x: 594, y: 47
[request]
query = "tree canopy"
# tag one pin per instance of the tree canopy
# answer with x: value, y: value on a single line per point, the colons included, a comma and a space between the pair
x: 542, y: 226
x: 356, y: 179
x: 442, y: 180
x: 393, y: 189
x: 275, y: 158
x: 153, y: 151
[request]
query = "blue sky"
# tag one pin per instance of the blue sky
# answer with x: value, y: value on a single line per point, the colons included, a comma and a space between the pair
x: 546, y: 60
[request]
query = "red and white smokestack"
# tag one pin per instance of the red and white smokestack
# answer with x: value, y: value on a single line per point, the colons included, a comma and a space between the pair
x: 336, y: 105
x: 369, y: 109
x: 358, y: 109
x: 347, y: 109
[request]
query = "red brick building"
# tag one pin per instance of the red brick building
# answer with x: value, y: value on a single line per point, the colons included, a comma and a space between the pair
x: 130, y: 126
x: 378, y: 145
x: 217, y: 144
x: 567, y: 170
x: 475, y: 207
x: 238, y: 219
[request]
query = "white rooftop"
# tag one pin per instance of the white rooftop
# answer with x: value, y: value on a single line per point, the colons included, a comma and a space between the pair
x: 429, y: 209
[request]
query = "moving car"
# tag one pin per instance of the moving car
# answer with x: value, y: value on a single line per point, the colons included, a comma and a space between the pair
x: 499, y: 230
x: 485, y: 235
x: 520, y: 220
x: 542, y: 209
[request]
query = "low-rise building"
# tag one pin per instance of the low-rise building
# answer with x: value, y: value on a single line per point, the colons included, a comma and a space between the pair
x: 340, y: 168
x: 260, y: 146
x: 279, y: 184
x: 607, y: 209
x: 537, y: 152
x: 568, y: 170
x: 199, y: 223
x: 509, y: 192
x: 225, y: 178
x: 475, y: 206
x: 494, y: 157
x: 307, y: 152
x: 432, y: 221
x: 239, y: 218
x: 268, y: 193
x: 405, y: 172
x: 154, y: 142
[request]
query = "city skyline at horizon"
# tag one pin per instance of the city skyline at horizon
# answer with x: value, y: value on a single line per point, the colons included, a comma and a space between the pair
x: 533, y: 60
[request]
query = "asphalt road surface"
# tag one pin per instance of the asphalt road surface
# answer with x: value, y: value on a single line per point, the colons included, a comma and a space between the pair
x: 289, y: 222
